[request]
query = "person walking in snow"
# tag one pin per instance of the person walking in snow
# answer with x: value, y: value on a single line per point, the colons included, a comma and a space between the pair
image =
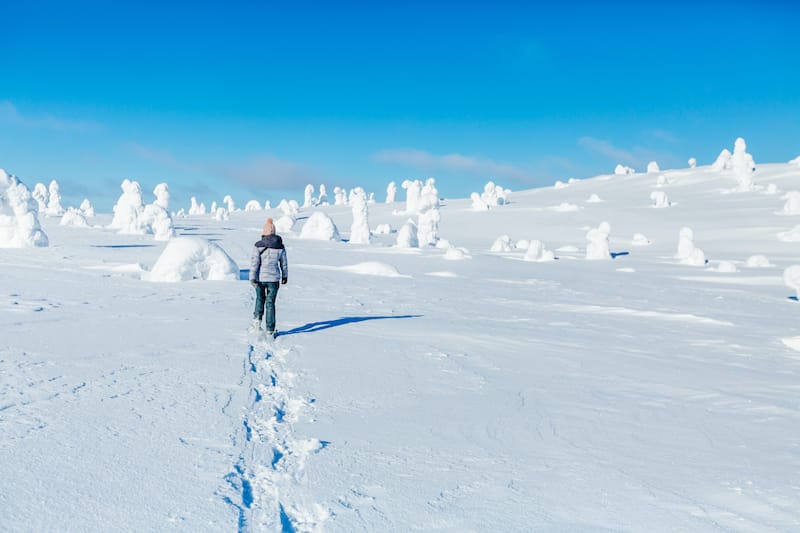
x: 268, y: 271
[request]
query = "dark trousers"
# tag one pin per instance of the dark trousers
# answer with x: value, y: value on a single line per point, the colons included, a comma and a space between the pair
x: 266, y: 291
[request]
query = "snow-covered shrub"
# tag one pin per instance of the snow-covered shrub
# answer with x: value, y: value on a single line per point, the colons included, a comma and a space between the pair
x: 188, y: 258
x: 428, y: 219
x: 640, y: 240
x: 213, y: 209
x: 285, y: 224
x: 383, y: 229
x: 455, y: 254
x: 477, y: 203
x: 597, y: 247
x: 659, y: 199
x: 662, y: 181
x: 771, y: 189
x: 289, y: 207
x: 320, y: 227
x: 54, y: 208
x: 758, y: 261
x: 622, y: 170
x: 791, y: 277
x: 74, y: 218
x: 695, y: 258
x: 40, y: 194
x: 252, y: 205
x: 652, y: 167
x: 197, y: 209
x: 128, y: 209
x: 536, y: 252
x: 230, y: 205
x: 560, y: 185
x: 522, y: 244
x: 308, y: 196
x: 692, y: 162
x: 359, y: 230
x: 502, y: 244
x: 267, y: 206
x: 19, y: 223
x: 792, y: 205
x: 407, y: 235
x: 161, y: 192
x: 87, y: 209
x: 594, y: 199
x: 391, y: 192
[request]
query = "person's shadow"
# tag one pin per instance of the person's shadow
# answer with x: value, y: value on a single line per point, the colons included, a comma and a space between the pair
x: 319, y: 326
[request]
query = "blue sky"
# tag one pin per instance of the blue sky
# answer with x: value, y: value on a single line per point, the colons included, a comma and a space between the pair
x: 256, y: 99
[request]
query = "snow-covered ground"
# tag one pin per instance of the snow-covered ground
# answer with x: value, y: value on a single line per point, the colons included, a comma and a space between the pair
x: 419, y: 389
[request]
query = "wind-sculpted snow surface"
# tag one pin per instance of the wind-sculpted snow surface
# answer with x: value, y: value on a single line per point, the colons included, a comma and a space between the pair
x: 416, y: 388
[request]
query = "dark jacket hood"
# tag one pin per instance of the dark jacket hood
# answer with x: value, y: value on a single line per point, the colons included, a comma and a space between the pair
x: 270, y: 241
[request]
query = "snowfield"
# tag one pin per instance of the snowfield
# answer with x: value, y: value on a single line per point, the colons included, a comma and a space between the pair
x: 620, y: 383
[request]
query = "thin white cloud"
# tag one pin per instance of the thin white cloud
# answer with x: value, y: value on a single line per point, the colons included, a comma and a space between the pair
x: 9, y: 114
x: 607, y: 149
x: 266, y: 171
x: 422, y: 160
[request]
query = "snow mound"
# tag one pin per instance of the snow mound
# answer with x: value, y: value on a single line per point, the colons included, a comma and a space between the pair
x: 560, y: 185
x: 793, y: 235
x: 594, y: 199
x: 565, y: 207
x: 622, y: 170
x: 662, y: 181
x: 74, y: 218
x: 188, y: 258
x: 725, y: 267
x: 478, y: 204
x: 456, y: 254
x: 660, y: 199
x: 285, y: 224
x: 383, y: 229
x: 640, y: 240
x: 652, y: 167
x: 537, y: 253
x: 771, y: 189
x: 19, y: 223
x: 792, y: 342
x: 407, y: 235
x: 502, y: 244
x: 692, y: 162
x: 792, y: 205
x: 569, y: 249
x: 688, y: 253
x: 758, y: 261
x: 373, y: 268
x: 320, y: 227
x: 791, y: 277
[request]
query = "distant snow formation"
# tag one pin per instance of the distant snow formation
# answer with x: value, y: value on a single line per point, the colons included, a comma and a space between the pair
x: 391, y: 192
x: 688, y: 253
x: 537, y: 253
x: 320, y: 227
x: 791, y: 277
x: 743, y: 166
x: 19, y: 223
x: 383, y: 229
x: 413, y: 191
x: 54, y: 208
x: 594, y: 199
x: 230, y: 205
x: 560, y: 185
x: 660, y: 199
x: 622, y: 170
x: 502, y: 244
x: 252, y: 205
x: 758, y: 261
x: 428, y: 217
x: 640, y: 240
x: 74, y: 218
x: 40, y: 194
x: 692, y: 162
x: 793, y: 235
x: 792, y: 205
x: 188, y: 258
x: 597, y: 247
x: 128, y: 209
x: 197, y: 209
x: 290, y: 207
x: 652, y: 167
x: 161, y: 192
x: 359, y: 230
x: 407, y: 235
x: 285, y: 224
x: 308, y: 196
x: 477, y: 202
x: 87, y: 209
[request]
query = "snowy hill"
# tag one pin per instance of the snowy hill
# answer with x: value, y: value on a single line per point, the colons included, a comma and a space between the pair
x: 651, y: 387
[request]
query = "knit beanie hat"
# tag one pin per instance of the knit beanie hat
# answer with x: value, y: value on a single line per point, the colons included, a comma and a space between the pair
x: 269, y: 228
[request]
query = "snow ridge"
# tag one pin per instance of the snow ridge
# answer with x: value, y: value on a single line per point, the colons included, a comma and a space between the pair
x: 270, y: 468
